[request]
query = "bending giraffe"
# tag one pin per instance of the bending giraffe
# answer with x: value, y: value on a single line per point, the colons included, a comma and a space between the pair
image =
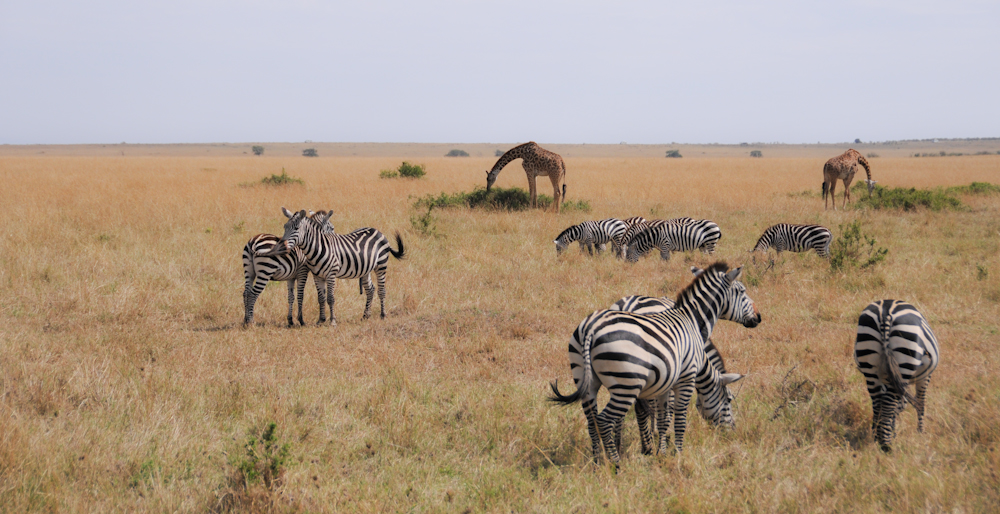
x: 843, y: 167
x: 537, y: 162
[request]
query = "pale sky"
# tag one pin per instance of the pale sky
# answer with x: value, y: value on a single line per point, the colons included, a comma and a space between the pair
x: 466, y: 72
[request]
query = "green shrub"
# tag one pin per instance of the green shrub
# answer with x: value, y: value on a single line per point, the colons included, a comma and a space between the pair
x: 457, y: 153
x: 281, y: 180
x: 499, y: 153
x: 310, y: 152
x: 676, y: 154
x: 854, y: 249
x: 263, y: 458
x: 411, y: 170
x: 975, y: 188
x: 753, y: 153
x: 902, y: 198
x: 872, y: 155
x: 425, y: 224
x: 497, y: 198
x: 257, y: 150
x: 388, y: 174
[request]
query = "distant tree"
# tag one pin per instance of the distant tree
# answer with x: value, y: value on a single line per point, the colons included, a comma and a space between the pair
x: 674, y: 154
x: 872, y: 155
x: 756, y: 153
x: 499, y: 153
x: 457, y: 153
x: 857, y: 141
x: 258, y: 150
x: 310, y: 152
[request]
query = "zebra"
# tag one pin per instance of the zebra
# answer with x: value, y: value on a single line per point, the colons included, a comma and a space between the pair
x: 638, y: 224
x: 898, y: 327
x: 330, y: 256
x: 644, y: 410
x: 591, y: 234
x: 675, y: 237
x: 637, y: 356
x: 795, y: 238
x: 259, y: 269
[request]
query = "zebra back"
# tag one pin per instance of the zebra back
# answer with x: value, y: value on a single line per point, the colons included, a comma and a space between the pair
x: 591, y: 233
x: 795, y: 238
x: 675, y: 237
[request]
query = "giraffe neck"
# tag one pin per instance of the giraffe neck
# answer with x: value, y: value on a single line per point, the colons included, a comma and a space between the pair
x: 518, y: 152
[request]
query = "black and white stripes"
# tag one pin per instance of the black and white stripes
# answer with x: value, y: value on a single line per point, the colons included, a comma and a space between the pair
x: 592, y: 233
x: 785, y: 237
x: 895, y: 347
x: 258, y: 270
x: 680, y: 235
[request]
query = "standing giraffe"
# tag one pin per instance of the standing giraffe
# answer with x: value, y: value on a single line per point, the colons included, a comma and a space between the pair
x: 843, y: 167
x: 537, y: 162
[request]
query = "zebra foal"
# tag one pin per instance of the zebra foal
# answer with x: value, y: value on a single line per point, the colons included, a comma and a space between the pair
x: 785, y: 237
x: 895, y: 347
x: 591, y: 234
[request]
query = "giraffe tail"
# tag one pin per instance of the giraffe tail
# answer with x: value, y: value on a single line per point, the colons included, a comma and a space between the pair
x: 564, y: 193
x: 825, y: 188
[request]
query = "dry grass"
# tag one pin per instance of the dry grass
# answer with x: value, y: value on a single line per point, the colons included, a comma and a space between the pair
x: 126, y: 383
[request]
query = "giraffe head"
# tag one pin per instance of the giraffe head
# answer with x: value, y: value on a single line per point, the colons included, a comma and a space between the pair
x: 871, y: 186
x: 491, y: 177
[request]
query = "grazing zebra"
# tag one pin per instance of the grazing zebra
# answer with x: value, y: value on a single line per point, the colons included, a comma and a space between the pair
x: 591, y: 234
x: 330, y: 256
x: 639, y: 224
x: 895, y: 348
x: 675, y: 237
x: 258, y: 270
x: 647, y: 411
x: 637, y: 356
x: 795, y: 238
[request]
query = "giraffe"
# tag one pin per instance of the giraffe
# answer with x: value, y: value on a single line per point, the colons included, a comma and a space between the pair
x: 843, y: 167
x: 537, y: 162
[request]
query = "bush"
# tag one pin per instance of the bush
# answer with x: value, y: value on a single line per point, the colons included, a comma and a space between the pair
x: 257, y: 150
x: 497, y: 198
x: 905, y: 199
x: 457, y: 153
x: 676, y: 154
x: 410, y: 170
x: 388, y: 174
x: 310, y: 152
x: 975, y: 188
x: 756, y: 153
x: 258, y: 473
x: 426, y: 225
x: 281, y: 180
x: 499, y: 153
x: 854, y: 249
x: 872, y: 155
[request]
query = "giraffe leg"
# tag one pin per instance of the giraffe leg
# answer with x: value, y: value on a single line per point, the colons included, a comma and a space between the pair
x: 556, y: 193
x: 847, y: 192
x: 532, y: 190
x: 833, y: 188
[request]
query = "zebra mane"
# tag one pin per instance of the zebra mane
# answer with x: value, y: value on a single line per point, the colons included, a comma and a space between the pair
x: 718, y: 266
x: 564, y: 232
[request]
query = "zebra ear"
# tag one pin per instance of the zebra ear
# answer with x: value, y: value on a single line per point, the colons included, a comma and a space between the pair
x: 695, y: 270
x: 729, y: 378
x: 302, y: 213
x: 734, y: 274
x: 286, y: 212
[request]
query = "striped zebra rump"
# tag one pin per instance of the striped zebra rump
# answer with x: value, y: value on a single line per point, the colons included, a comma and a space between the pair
x: 639, y: 357
x: 259, y: 269
x: 675, y: 237
x: 591, y: 234
x: 895, y: 347
x: 785, y: 237
x: 641, y: 224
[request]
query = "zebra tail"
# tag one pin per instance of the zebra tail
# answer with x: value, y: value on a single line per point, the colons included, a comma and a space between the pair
x: 584, y: 383
x: 895, y: 377
x: 402, y: 251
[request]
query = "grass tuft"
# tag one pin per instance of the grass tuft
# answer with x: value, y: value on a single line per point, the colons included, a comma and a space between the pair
x: 281, y: 180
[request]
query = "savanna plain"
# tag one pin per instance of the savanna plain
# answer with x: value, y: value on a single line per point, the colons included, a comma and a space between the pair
x: 128, y: 384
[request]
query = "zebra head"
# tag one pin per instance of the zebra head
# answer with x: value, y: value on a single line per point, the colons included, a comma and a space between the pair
x: 299, y: 223
x: 734, y: 303
x: 715, y: 401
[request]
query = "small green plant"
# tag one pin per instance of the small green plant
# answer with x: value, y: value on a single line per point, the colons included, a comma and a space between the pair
x: 310, y: 152
x: 675, y: 154
x: 388, y: 174
x: 755, y: 153
x: 263, y: 459
x: 457, y: 153
x: 411, y: 170
x: 257, y: 149
x: 425, y: 224
x: 981, y: 272
x: 281, y: 180
x: 854, y: 249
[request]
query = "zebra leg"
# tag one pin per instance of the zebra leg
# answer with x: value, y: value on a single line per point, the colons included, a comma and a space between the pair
x: 300, y: 285
x: 664, y: 411
x: 590, y: 411
x: 644, y: 412
x: 366, y: 282
x: 887, y: 420
x: 876, y: 391
x: 618, y: 431
x: 922, y: 398
x: 380, y: 276
x: 682, y: 398
x: 291, y: 300
x: 250, y: 296
x: 611, y: 417
x: 321, y: 297
x: 331, y: 288
x: 665, y: 252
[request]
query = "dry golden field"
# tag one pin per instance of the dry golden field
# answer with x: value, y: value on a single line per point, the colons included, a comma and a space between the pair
x: 127, y: 383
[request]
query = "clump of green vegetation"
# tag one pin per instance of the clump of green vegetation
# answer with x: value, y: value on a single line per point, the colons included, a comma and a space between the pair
x: 404, y: 170
x: 457, y: 153
x: 753, y: 153
x: 903, y: 198
x: 975, y: 188
x: 854, y: 249
x: 258, y: 471
x: 388, y: 174
x: 497, y: 198
x: 499, y: 153
x: 676, y: 154
x: 425, y: 224
x: 281, y: 180
x: 310, y: 152
x: 872, y: 155
x: 981, y: 272
x: 257, y: 149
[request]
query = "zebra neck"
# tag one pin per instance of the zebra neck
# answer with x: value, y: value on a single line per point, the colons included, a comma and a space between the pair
x: 312, y: 244
x: 702, y: 311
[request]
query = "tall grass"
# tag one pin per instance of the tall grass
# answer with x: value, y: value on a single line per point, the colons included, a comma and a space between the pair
x: 126, y: 383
